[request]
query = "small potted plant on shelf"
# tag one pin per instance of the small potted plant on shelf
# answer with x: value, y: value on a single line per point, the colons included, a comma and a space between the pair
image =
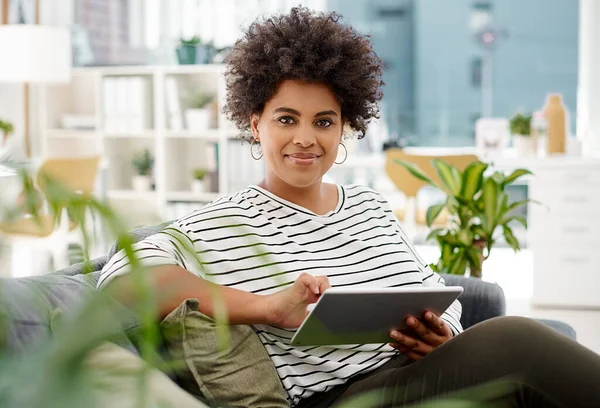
x: 143, y: 163
x: 191, y: 51
x: 480, y: 213
x: 199, y: 114
x: 520, y: 128
x: 6, y: 128
x: 199, y: 181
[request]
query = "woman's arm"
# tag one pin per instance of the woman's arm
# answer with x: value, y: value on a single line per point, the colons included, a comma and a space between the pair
x: 172, y: 285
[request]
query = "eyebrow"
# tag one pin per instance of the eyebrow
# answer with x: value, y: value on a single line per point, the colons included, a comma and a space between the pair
x: 295, y: 112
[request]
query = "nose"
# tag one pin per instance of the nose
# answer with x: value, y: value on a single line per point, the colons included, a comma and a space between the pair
x: 304, y: 138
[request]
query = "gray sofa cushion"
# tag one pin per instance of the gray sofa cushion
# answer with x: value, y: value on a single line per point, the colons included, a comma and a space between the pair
x: 28, y: 306
x: 480, y: 300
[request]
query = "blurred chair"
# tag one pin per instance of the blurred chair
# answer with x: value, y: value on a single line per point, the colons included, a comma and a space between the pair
x: 413, y: 215
x: 52, y: 232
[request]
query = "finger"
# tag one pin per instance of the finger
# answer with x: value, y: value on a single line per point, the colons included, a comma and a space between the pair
x: 424, y: 331
x: 323, y: 282
x: 437, y: 324
x: 310, y: 282
x: 404, y: 350
x: 411, y: 343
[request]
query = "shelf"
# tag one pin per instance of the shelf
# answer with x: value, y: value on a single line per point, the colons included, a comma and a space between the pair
x: 71, y: 133
x: 208, y: 134
x: 151, y: 70
x: 192, y: 197
x: 194, y: 69
x: 131, y: 195
x: 132, y: 135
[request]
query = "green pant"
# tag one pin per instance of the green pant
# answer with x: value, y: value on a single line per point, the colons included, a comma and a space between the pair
x: 506, y: 361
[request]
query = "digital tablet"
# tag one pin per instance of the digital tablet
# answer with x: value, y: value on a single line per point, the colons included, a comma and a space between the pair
x: 366, y: 316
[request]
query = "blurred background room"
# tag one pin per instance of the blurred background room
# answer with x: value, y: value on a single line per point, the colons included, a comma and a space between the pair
x: 139, y: 85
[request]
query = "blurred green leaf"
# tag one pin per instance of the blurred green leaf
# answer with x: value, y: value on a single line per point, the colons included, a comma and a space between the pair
x: 415, y: 171
x: 449, y: 175
x: 433, y: 212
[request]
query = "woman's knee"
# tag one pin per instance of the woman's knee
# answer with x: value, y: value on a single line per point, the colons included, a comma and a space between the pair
x: 511, y: 331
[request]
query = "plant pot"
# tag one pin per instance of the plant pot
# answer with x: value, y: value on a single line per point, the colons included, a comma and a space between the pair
x: 525, y: 145
x: 198, y: 119
x: 141, y: 183
x: 199, y: 186
x: 192, y: 54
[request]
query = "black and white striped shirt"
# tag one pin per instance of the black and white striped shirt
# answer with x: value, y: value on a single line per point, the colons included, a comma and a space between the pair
x: 257, y: 242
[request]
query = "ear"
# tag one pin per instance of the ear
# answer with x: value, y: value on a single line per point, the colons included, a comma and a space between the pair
x: 254, y: 119
x: 346, y: 130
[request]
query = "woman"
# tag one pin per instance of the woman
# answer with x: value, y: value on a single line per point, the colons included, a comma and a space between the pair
x: 295, y: 82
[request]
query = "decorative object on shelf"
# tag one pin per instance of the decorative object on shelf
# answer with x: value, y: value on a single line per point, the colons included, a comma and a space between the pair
x: 199, y: 114
x: 524, y: 142
x: 539, y: 131
x: 199, y: 181
x: 491, y: 135
x: 143, y: 163
x: 480, y: 212
x: 556, y: 116
x: 6, y: 128
x: 192, y: 51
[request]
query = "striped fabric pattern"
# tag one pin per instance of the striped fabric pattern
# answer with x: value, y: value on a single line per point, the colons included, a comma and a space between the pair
x: 257, y: 242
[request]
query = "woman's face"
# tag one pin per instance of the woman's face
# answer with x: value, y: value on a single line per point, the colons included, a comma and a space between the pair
x: 299, y: 130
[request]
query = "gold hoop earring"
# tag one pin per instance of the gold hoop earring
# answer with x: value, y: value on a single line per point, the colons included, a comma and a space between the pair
x: 345, y: 156
x: 252, y: 150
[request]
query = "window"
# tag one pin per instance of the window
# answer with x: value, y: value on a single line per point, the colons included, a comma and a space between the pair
x: 443, y: 59
x: 441, y: 70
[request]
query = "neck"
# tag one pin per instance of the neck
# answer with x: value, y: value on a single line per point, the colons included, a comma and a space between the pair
x: 313, y: 197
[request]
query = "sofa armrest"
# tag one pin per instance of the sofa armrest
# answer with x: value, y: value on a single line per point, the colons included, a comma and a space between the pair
x: 480, y: 300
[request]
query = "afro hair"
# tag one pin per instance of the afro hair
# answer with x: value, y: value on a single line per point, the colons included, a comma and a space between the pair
x: 309, y: 46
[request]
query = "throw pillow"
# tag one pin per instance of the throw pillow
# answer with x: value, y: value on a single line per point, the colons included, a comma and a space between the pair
x: 115, y: 378
x: 241, y: 375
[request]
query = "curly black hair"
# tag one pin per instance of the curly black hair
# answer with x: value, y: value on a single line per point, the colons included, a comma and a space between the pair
x: 305, y: 45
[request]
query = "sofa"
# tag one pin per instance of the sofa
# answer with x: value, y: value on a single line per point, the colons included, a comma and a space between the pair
x: 29, y: 304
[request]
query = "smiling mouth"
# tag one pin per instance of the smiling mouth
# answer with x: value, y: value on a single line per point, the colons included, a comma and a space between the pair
x: 303, y: 159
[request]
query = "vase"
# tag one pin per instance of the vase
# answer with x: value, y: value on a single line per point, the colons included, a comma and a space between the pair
x: 525, y: 145
x: 186, y: 54
x: 198, y: 119
x: 192, y: 54
x: 555, y: 114
x: 141, y: 183
x: 199, y: 186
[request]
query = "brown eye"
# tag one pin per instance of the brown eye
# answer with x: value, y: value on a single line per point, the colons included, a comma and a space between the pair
x: 324, y: 123
x: 286, y: 120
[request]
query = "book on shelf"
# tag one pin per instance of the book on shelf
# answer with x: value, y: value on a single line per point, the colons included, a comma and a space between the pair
x: 127, y: 103
x: 173, y: 102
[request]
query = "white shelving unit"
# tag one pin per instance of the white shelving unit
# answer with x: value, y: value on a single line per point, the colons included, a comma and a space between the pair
x: 176, y: 149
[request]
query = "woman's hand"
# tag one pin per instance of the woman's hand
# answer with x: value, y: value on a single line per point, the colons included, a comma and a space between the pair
x: 287, y: 308
x: 424, y: 337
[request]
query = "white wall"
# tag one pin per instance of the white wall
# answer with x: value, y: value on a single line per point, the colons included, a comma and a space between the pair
x: 588, y: 95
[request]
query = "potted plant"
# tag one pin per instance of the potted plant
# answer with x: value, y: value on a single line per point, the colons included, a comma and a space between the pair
x: 520, y: 128
x: 143, y: 163
x: 199, y: 181
x: 191, y: 51
x: 198, y: 116
x: 6, y: 128
x: 480, y: 213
